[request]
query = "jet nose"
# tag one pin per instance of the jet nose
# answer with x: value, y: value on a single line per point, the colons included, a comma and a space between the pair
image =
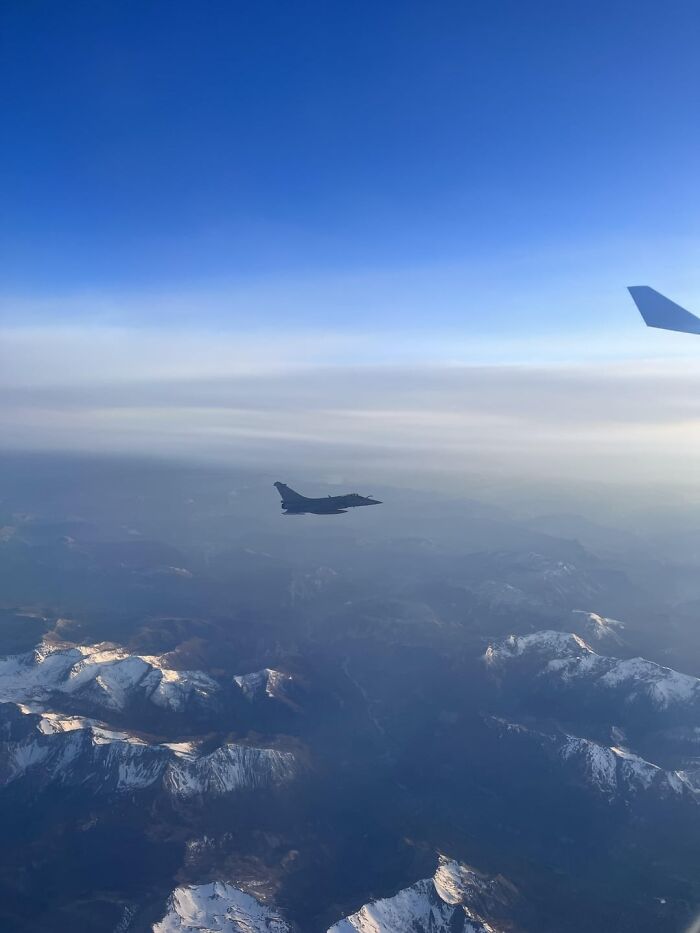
x: 371, y: 501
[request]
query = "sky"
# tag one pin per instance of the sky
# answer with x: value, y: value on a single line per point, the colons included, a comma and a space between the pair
x: 372, y: 234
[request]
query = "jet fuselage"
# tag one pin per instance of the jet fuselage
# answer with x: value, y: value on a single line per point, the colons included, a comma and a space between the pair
x: 293, y: 503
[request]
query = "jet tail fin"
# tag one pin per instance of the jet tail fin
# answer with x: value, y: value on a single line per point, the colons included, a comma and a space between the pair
x: 287, y: 494
x: 659, y: 311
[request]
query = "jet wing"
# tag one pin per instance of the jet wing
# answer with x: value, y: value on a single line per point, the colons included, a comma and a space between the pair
x: 659, y: 311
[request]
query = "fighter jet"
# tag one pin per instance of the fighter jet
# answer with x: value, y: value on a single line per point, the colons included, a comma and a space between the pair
x: 659, y: 311
x: 295, y: 504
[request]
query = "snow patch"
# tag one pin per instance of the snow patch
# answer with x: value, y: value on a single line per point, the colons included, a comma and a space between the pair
x: 267, y: 682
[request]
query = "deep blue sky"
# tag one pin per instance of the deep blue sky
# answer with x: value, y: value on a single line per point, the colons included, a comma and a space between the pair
x: 168, y: 145
x: 223, y: 224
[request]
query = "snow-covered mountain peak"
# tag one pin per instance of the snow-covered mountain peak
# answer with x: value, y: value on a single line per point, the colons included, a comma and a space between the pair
x: 596, y: 628
x: 614, y: 770
x: 229, y: 768
x: 664, y: 685
x: 74, y: 750
x: 566, y: 659
x: 611, y: 771
x: 218, y: 907
x: 453, y: 881
x: 545, y: 643
x: 103, y: 674
x: 456, y: 898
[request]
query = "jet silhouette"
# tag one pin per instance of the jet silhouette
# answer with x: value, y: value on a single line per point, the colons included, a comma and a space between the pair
x: 659, y: 311
x: 295, y: 504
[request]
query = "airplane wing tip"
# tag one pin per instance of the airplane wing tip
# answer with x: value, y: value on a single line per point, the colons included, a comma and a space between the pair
x: 659, y: 311
x: 639, y: 293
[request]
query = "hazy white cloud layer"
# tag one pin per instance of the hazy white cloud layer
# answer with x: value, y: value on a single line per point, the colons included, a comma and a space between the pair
x: 288, y: 401
x: 532, y: 363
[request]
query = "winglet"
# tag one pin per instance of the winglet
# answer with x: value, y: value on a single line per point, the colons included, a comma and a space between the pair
x: 659, y: 311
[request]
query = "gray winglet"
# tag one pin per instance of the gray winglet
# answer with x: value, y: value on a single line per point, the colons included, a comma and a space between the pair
x: 659, y: 311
